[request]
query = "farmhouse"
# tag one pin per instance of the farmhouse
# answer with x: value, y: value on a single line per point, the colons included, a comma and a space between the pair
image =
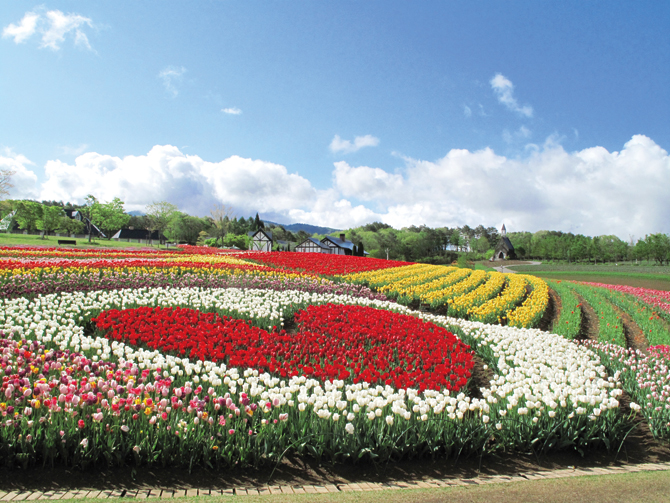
x: 338, y: 246
x: 504, y: 249
x: 312, y: 245
x: 261, y: 240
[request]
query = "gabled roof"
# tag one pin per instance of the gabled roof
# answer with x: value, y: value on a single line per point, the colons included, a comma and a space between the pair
x: 268, y: 234
x: 316, y: 242
x: 341, y: 243
x: 505, y: 244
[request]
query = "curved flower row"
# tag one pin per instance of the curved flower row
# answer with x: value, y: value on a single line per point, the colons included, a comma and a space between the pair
x: 531, y: 311
x: 610, y: 326
x: 81, y: 279
x: 494, y: 310
x: 403, y: 287
x: 537, y: 394
x: 81, y: 253
x: 439, y: 298
x: 656, y: 298
x: 570, y: 318
x: 380, y: 277
x: 462, y: 306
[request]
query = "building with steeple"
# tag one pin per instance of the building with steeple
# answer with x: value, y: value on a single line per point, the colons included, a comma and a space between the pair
x: 504, y: 249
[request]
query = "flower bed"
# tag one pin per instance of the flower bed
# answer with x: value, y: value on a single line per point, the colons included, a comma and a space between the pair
x: 140, y: 405
x: 320, y: 263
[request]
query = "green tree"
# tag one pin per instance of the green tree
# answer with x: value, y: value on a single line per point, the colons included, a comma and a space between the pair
x: 50, y: 219
x: 70, y: 225
x: 28, y: 214
x: 109, y: 217
x: 221, y: 215
x: 159, y: 215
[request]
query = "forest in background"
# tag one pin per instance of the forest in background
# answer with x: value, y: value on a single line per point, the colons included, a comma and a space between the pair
x: 439, y: 245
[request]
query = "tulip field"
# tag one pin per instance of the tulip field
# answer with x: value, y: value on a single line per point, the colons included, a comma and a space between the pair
x: 196, y: 357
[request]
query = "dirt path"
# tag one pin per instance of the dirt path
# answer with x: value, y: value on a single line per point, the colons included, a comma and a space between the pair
x: 589, y: 328
x: 552, y: 313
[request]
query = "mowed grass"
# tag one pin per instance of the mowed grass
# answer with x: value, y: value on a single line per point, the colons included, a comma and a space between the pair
x: 52, y: 241
x: 643, y: 276
x: 646, y: 487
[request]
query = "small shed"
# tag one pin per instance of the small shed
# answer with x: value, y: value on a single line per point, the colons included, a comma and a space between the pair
x: 339, y: 246
x: 261, y: 240
x: 504, y: 250
x: 312, y: 245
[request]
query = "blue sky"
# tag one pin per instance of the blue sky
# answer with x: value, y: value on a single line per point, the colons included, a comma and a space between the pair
x: 542, y: 115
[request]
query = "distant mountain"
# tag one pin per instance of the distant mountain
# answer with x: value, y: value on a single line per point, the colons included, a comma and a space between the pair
x: 136, y: 213
x: 309, y: 229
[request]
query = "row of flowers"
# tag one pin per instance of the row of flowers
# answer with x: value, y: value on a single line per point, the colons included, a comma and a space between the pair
x: 464, y: 305
x: 82, y: 279
x: 658, y: 299
x: 320, y: 263
x: 610, y: 326
x: 545, y: 393
x: 530, y: 312
x: 646, y: 378
x: 569, y: 319
x: 496, y: 309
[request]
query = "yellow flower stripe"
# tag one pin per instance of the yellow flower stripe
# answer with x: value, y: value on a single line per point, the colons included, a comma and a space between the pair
x: 494, y: 310
x: 382, y: 277
x: 452, y: 276
x: 438, y: 298
x: 528, y: 314
x: 209, y: 259
x: 398, y: 287
x: 461, y: 306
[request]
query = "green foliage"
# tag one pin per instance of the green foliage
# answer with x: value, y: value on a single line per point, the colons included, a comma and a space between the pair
x: 28, y: 214
x: 50, y: 219
x: 109, y: 217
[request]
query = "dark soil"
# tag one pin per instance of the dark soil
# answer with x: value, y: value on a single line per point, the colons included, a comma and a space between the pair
x: 589, y: 328
x: 552, y: 312
x: 635, y: 338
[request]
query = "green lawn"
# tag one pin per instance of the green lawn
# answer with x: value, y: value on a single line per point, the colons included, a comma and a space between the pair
x: 52, y: 241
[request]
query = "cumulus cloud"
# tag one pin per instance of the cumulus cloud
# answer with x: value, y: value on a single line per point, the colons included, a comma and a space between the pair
x: 231, y: 111
x: 165, y: 173
x: 347, y: 147
x: 591, y: 191
x: 504, y: 89
x: 171, y: 77
x: 53, y: 26
x: 24, y: 180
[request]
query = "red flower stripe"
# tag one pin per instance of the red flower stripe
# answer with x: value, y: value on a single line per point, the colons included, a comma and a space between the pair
x: 321, y: 263
x: 351, y: 343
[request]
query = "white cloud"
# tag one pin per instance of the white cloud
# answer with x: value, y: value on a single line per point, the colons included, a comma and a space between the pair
x: 523, y: 133
x: 24, y: 180
x: 171, y: 76
x: 165, y: 173
x: 504, y: 89
x: 231, y: 111
x: 591, y: 191
x: 53, y: 25
x: 67, y: 150
x: 467, y: 111
x: 24, y: 30
x: 345, y: 146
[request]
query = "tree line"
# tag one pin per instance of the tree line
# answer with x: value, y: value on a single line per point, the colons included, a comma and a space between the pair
x: 415, y: 244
